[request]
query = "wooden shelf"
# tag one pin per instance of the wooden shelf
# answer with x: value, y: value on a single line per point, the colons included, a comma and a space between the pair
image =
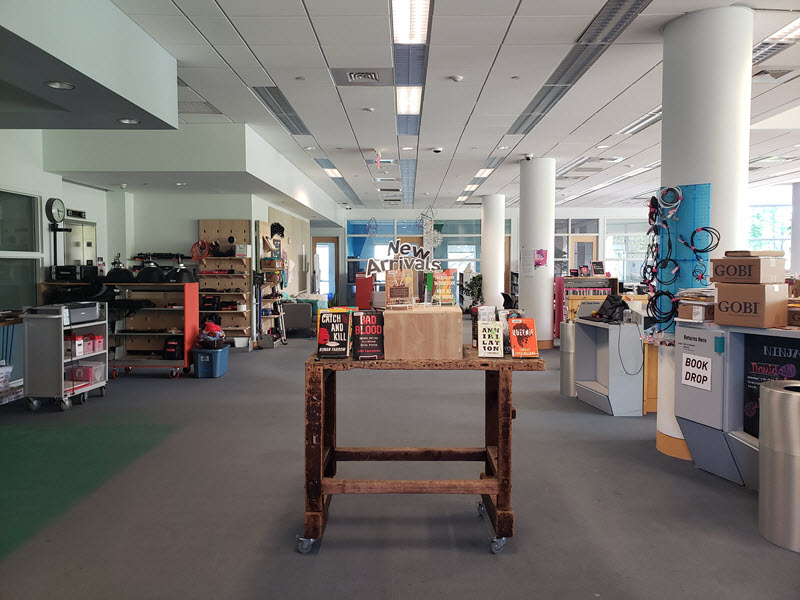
x: 225, y: 311
x: 154, y: 333
x: 224, y: 293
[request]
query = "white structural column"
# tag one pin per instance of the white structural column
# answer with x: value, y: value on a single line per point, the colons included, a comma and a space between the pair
x: 705, y: 129
x: 795, y: 250
x: 537, y: 223
x: 493, y: 233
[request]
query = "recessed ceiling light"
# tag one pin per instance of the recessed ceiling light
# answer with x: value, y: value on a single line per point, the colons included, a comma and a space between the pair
x: 471, y: 188
x: 797, y: 145
x: 409, y: 100
x: 410, y: 21
x: 412, y: 147
x: 129, y: 121
x: 59, y: 85
x: 308, y: 148
x: 483, y: 173
x: 503, y: 147
x: 515, y: 77
x: 461, y: 198
x: 602, y: 147
x: 180, y: 183
x: 332, y: 172
x: 368, y: 109
x: 299, y: 78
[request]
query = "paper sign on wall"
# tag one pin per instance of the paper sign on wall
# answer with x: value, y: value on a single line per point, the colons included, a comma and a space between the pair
x: 696, y: 371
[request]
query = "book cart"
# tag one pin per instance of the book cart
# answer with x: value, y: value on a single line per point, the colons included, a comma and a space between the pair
x: 322, y: 453
x: 55, y: 371
x: 139, y: 337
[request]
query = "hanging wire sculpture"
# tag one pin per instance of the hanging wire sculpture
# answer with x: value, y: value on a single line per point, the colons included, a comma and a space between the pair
x: 372, y: 228
x: 431, y: 238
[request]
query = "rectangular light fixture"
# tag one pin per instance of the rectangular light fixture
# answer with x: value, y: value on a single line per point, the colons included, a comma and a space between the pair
x: 332, y: 172
x: 483, y: 173
x: 409, y: 100
x: 462, y: 198
x: 777, y: 42
x: 605, y: 184
x: 647, y: 119
x: 410, y: 21
x: 471, y: 188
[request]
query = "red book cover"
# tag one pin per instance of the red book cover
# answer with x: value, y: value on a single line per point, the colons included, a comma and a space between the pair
x: 523, y: 338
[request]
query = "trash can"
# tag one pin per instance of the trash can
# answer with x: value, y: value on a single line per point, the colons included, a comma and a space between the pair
x: 779, y: 463
x: 210, y: 363
x: 568, y: 360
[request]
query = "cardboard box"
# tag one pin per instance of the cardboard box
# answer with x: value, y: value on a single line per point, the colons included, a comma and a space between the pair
x: 244, y: 250
x: 760, y: 269
x: 696, y: 311
x: 794, y: 317
x: 752, y: 305
x: 423, y: 332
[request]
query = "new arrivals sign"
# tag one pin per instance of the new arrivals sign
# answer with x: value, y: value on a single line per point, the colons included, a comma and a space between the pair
x: 408, y: 256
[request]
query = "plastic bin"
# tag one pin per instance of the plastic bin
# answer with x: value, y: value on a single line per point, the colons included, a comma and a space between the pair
x: 210, y: 363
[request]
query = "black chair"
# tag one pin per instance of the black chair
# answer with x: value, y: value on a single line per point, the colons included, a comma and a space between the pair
x: 508, y: 301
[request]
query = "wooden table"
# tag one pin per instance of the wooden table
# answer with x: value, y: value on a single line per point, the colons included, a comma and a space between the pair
x: 322, y: 453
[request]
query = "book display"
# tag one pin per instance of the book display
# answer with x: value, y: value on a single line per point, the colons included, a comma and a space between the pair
x: 368, y: 335
x: 490, y: 339
x: 333, y: 333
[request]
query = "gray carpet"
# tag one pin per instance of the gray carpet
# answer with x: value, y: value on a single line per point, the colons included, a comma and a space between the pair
x: 212, y: 511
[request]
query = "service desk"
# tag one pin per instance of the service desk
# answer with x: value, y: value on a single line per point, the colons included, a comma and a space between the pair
x: 322, y: 453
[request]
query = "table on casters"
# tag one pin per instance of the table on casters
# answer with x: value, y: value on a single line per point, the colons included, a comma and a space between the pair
x: 322, y: 454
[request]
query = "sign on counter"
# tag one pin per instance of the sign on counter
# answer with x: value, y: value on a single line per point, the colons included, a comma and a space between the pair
x: 696, y: 371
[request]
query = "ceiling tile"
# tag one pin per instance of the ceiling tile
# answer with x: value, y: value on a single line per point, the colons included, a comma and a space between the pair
x: 645, y: 29
x: 203, y: 79
x: 147, y: 7
x: 194, y: 55
x: 217, y: 30
x: 313, y: 79
x: 366, y: 30
x: 546, y: 30
x: 238, y: 56
x: 255, y: 77
x: 198, y: 8
x: 276, y: 31
x: 474, y: 7
x: 169, y: 30
x: 548, y: 8
x: 661, y: 7
x: 458, y: 56
x: 289, y: 57
x: 349, y: 7
x: 455, y: 30
x: 206, y: 119
x: 262, y: 8
x: 359, y: 57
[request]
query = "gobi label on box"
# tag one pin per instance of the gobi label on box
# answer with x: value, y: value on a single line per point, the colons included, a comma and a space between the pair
x: 696, y: 371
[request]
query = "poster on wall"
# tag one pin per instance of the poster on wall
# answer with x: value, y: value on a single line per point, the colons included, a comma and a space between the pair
x: 526, y: 262
x: 490, y: 339
x: 445, y: 287
x: 766, y: 358
x: 539, y: 258
x: 333, y: 333
x: 400, y: 287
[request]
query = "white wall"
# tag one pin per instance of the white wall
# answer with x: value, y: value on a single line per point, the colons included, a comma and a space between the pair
x: 168, y: 222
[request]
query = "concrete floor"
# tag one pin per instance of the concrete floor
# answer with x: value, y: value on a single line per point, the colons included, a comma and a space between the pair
x: 213, y: 510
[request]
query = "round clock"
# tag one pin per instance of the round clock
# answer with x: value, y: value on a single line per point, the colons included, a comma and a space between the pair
x: 54, y: 210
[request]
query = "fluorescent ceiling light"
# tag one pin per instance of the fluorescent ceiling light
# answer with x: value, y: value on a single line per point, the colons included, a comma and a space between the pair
x: 409, y: 99
x: 789, y: 34
x: 180, y: 183
x: 576, y: 162
x: 462, y: 198
x: 647, y: 119
x: 602, y: 147
x: 407, y: 148
x: 483, y: 173
x: 332, y: 172
x: 605, y: 184
x: 410, y: 21
x: 471, y: 188
x: 503, y: 148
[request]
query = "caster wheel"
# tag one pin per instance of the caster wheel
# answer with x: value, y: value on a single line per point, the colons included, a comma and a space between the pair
x: 496, y: 545
x: 103, y: 391
x: 187, y: 370
x: 174, y: 373
x: 481, y: 509
x: 304, y: 545
x: 129, y: 369
x: 82, y: 398
x: 34, y: 404
x: 65, y: 405
x: 114, y: 374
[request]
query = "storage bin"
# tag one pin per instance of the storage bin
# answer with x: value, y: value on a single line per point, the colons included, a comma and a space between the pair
x: 210, y: 363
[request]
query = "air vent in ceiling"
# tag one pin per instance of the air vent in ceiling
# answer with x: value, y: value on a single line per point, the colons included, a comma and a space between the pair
x: 279, y: 106
x: 384, y: 161
x: 408, y: 177
x: 409, y: 64
x: 197, y: 108
x: 362, y: 77
x: 389, y: 190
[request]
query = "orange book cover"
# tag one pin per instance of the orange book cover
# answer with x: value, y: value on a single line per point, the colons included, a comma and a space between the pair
x: 523, y: 338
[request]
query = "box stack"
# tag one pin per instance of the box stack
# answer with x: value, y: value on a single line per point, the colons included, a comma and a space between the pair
x: 751, y: 289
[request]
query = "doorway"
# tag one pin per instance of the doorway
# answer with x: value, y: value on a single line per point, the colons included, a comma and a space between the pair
x: 80, y: 243
x: 583, y: 250
x: 326, y: 265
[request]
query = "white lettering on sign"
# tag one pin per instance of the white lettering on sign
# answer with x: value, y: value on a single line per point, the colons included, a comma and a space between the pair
x: 696, y: 371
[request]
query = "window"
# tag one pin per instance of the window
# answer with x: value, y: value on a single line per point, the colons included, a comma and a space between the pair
x: 625, y: 248
x: 769, y: 219
x: 20, y: 255
x: 575, y: 244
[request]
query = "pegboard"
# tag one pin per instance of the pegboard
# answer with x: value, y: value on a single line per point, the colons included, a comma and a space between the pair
x: 219, y: 230
x: 694, y: 212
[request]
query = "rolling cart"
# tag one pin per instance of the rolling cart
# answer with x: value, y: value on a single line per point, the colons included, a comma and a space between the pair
x: 58, y: 370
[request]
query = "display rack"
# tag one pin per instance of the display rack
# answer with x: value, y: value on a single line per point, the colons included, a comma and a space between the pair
x: 51, y: 371
x: 138, y: 339
x: 268, y: 293
x: 599, y: 287
x: 230, y: 287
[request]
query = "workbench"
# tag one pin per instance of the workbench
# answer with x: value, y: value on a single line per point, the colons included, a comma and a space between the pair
x: 322, y: 454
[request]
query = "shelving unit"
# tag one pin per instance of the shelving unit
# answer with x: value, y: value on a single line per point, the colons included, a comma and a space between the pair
x: 139, y: 339
x: 50, y: 372
x: 269, y: 288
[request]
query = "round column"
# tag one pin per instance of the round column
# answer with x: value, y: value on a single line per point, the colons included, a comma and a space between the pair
x: 493, y: 233
x: 537, y: 226
x: 705, y: 129
x: 669, y: 438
